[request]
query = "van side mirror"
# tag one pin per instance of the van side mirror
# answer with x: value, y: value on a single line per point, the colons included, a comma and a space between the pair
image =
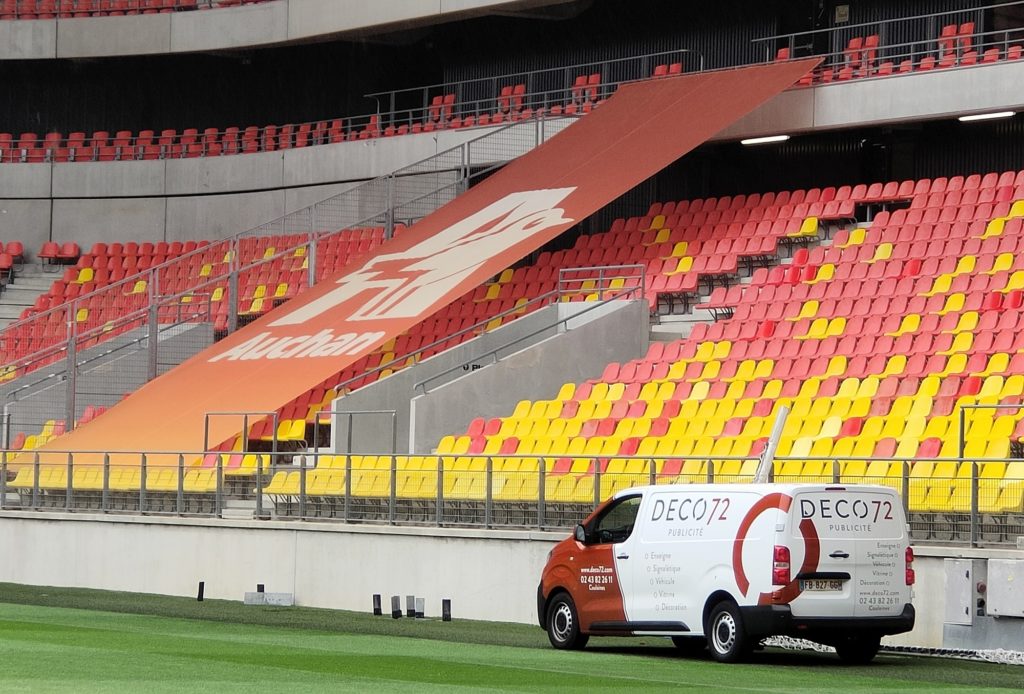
x: 581, y: 534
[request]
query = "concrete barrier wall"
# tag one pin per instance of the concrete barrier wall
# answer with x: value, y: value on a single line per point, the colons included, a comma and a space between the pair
x: 533, y: 373
x: 488, y: 574
x: 262, y: 24
x: 333, y: 566
x: 613, y: 332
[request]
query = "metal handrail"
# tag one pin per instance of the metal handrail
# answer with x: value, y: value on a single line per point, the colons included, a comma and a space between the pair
x: 896, y: 20
x: 965, y: 523
x: 421, y: 386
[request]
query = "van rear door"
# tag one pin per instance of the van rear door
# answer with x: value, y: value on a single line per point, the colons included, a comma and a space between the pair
x: 860, y: 534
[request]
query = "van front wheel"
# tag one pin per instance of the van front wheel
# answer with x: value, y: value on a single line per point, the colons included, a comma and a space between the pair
x: 858, y: 650
x: 563, y: 624
x: 727, y: 639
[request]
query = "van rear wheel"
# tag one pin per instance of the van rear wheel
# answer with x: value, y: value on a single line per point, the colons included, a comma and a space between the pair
x: 858, y: 650
x: 727, y: 638
x: 563, y: 624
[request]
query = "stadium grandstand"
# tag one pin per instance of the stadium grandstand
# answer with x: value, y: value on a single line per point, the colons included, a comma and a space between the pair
x: 289, y: 279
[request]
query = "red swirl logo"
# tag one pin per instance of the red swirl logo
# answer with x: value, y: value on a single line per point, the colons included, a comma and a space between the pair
x: 812, y: 549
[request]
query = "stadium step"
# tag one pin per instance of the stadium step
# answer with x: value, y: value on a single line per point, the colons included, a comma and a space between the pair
x: 239, y: 509
x: 28, y: 284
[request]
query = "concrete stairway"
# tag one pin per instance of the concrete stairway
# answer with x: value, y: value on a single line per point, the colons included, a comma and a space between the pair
x: 29, y: 282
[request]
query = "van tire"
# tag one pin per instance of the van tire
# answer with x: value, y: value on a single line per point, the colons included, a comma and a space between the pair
x: 858, y: 650
x: 726, y: 636
x: 563, y: 624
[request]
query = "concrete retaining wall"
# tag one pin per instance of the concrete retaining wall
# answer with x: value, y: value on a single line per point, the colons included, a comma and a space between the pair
x: 488, y: 574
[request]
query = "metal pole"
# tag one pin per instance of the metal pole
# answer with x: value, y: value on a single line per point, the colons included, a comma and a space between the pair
x: 71, y: 373
x: 105, y: 494
x: 489, y: 492
x: 542, y: 473
x: 220, y: 485
x: 975, y: 516
x: 348, y: 465
x: 389, y: 214
x: 906, y: 487
x: 348, y: 485
x: 142, y: 484
x: 439, y: 510
x: 273, y: 442
x: 180, y: 501
x: 69, y: 483
x: 35, y: 481
x: 393, y: 491
x: 233, y: 287
x: 961, y: 432
x: 302, y: 490
x: 394, y: 469
x: 311, y: 251
x: 3, y: 482
x: 154, y: 330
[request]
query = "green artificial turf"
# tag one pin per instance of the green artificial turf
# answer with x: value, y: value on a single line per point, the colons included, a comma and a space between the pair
x: 157, y: 644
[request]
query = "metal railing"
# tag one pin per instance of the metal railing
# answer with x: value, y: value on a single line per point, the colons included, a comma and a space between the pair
x: 971, y: 506
x: 522, y: 94
x: 597, y: 282
x: 474, y: 103
x: 899, y: 45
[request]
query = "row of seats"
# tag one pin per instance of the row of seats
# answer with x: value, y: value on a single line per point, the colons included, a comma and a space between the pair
x: 946, y: 333
x: 512, y: 104
x: 532, y: 280
x: 713, y: 370
x: 12, y: 255
x: 931, y: 487
x: 69, y: 9
x: 865, y: 56
x: 51, y: 429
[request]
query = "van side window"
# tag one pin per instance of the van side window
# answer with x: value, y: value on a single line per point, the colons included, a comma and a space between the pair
x: 616, y: 523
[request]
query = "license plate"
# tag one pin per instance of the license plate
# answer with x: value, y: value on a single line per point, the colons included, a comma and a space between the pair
x: 821, y: 584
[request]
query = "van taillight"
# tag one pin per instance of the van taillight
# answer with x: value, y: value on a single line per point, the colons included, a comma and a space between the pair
x: 780, y: 567
x: 909, y: 557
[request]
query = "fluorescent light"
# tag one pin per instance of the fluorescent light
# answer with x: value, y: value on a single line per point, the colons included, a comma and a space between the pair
x: 985, y: 116
x: 764, y: 140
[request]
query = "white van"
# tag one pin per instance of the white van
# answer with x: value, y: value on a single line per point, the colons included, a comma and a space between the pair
x: 727, y: 565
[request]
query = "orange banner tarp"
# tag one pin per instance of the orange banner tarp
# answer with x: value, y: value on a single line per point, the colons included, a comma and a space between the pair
x: 641, y: 129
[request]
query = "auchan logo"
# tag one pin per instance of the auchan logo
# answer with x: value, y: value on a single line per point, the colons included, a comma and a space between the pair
x: 323, y: 344
x: 407, y: 284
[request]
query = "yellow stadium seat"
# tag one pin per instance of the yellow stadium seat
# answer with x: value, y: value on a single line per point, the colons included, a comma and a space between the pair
x: 910, y: 323
x: 882, y: 252
x: 808, y: 228
x: 856, y: 237
x: 1003, y: 263
x: 954, y: 303
x: 809, y: 309
x: 1016, y: 281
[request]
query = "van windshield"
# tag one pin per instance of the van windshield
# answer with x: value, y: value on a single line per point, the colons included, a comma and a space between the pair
x: 844, y: 513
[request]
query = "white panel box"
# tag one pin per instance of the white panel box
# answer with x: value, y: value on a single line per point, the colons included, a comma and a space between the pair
x: 959, y: 591
x: 1006, y: 587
